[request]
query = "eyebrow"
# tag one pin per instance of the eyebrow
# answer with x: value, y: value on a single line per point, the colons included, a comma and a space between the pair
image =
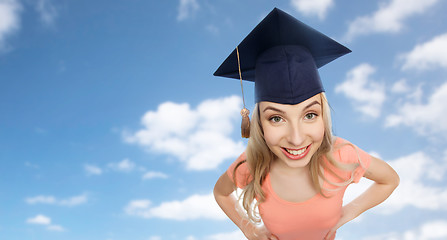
x: 273, y: 109
x: 282, y: 112
x: 311, y: 104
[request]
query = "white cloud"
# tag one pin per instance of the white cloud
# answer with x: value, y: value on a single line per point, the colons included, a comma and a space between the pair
x: 199, y: 137
x: 367, y: 94
x: 47, y: 11
x: 124, y: 166
x: 73, y: 201
x: 69, y: 202
x: 400, y: 86
x: 427, y: 55
x: 433, y: 230
x: 152, y: 175
x: 414, y: 171
x: 39, y: 219
x: 313, y: 7
x: 235, y: 235
x: 191, y: 208
x: 354, y: 190
x: 187, y: 8
x: 44, y: 220
x: 41, y: 199
x: 425, y: 118
x: 31, y: 165
x: 92, y: 170
x: 56, y: 228
x: 9, y: 20
x: 389, y: 18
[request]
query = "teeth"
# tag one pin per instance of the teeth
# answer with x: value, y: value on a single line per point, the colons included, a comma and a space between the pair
x: 296, y: 152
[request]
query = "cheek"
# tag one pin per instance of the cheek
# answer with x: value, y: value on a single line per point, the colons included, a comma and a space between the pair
x: 318, y: 131
x: 271, y: 135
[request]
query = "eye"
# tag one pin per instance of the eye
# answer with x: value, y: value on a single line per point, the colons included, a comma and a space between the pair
x: 310, y: 116
x: 276, y: 119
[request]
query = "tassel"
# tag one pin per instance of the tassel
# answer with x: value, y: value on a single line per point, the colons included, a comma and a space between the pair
x: 245, y: 125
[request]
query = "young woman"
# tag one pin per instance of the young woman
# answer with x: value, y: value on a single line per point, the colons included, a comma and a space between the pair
x: 294, y: 170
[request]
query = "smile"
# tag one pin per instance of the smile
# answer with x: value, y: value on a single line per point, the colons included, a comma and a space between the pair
x: 296, y: 154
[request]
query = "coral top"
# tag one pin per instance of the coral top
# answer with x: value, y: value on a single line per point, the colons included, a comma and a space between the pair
x: 313, y: 218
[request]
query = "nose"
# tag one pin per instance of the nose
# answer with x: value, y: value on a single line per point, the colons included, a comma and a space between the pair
x: 296, y: 135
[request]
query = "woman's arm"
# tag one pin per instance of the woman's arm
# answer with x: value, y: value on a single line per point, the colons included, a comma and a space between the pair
x: 385, y: 181
x: 227, y: 201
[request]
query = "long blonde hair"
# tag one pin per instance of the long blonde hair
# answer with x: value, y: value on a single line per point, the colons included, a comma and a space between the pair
x: 259, y: 158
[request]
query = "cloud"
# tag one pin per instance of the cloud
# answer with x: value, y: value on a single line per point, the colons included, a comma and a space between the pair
x: 41, y: 199
x: 236, y: 235
x: 389, y: 18
x: 313, y: 7
x: 427, y: 55
x: 187, y: 8
x: 199, y: 137
x: 124, y: 166
x: 47, y: 11
x: 191, y: 208
x: 74, y: 201
x: 9, y: 20
x: 212, y: 29
x: 92, y: 170
x: 433, y: 230
x: 69, y: 202
x: 46, y: 221
x: 31, y: 165
x: 414, y: 170
x: 39, y: 219
x: 425, y: 118
x: 400, y: 86
x: 152, y: 175
x: 56, y: 228
x: 367, y: 94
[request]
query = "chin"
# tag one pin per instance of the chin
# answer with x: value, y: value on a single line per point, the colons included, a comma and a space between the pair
x: 297, y: 163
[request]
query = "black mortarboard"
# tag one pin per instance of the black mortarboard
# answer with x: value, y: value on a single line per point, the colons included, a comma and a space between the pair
x: 282, y: 55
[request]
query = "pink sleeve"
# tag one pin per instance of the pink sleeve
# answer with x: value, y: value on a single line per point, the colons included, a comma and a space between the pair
x: 242, y: 172
x: 349, y: 153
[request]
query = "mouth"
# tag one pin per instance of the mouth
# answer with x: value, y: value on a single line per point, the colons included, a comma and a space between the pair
x: 296, y: 154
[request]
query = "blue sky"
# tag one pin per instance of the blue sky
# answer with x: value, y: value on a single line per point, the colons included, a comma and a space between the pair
x: 112, y: 126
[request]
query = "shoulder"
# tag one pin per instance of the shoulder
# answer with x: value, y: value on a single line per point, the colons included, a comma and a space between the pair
x: 239, y: 172
x: 240, y: 162
x: 346, y: 152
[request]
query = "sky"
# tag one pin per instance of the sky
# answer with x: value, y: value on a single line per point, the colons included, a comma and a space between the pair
x: 113, y: 127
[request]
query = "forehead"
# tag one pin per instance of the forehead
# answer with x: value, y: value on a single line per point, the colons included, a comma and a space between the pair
x: 316, y: 98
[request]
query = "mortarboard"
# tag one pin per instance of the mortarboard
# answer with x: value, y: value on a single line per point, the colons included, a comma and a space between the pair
x: 282, y: 55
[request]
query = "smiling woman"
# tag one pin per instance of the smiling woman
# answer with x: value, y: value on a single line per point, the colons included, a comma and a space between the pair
x: 293, y: 166
x: 305, y: 123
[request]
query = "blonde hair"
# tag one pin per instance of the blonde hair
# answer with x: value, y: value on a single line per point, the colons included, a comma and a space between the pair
x: 259, y: 158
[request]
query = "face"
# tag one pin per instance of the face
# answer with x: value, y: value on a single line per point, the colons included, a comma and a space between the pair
x: 293, y: 132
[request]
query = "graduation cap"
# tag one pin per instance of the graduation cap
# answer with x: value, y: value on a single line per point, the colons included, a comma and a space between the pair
x: 281, y: 55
